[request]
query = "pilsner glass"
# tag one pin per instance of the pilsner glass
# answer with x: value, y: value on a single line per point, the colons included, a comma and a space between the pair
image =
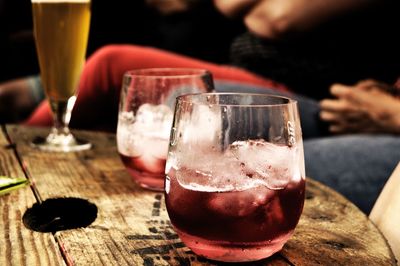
x: 145, y: 117
x: 61, y: 30
x: 235, y: 181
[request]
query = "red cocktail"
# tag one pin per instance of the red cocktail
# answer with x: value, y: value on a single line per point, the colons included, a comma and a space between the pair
x: 143, y: 144
x: 145, y: 118
x: 234, y: 190
x: 234, y: 222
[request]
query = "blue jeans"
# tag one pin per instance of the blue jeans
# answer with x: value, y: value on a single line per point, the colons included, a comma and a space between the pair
x: 308, y: 108
x: 357, y: 166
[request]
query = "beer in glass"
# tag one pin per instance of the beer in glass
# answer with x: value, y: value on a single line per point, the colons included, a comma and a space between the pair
x: 61, y: 30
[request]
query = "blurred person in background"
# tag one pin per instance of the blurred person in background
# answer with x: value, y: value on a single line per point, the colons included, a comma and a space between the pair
x: 311, y: 44
x: 363, y: 149
x: 189, y: 27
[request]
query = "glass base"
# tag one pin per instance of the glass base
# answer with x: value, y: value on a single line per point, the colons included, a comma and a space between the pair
x: 233, y: 252
x: 149, y: 181
x: 61, y: 143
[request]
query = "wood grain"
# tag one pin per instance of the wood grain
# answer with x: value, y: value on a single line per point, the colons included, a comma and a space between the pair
x: 18, y: 245
x: 332, y: 226
x: 132, y: 227
x: 386, y: 211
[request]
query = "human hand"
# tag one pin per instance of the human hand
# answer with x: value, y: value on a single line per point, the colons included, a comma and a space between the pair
x: 276, y: 19
x: 266, y: 18
x: 366, y: 107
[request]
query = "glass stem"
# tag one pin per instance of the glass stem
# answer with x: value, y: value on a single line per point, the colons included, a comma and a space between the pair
x: 62, y: 115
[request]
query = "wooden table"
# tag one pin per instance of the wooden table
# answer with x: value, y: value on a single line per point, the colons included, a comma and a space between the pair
x: 132, y: 225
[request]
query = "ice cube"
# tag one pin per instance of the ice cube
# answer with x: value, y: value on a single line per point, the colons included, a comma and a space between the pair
x: 156, y: 119
x: 266, y: 163
x: 209, y: 171
x: 201, y: 127
x: 127, y: 142
x: 244, y: 165
x: 275, y: 215
x: 147, y: 134
x: 240, y: 203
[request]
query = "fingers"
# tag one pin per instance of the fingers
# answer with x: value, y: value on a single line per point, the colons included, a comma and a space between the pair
x: 337, y: 105
x: 342, y: 115
x: 234, y: 8
x: 371, y: 84
x: 359, y: 95
x: 337, y: 129
x: 340, y: 129
x: 269, y: 19
x: 360, y: 126
x: 366, y: 83
x: 361, y: 108
x: 341, y: 90
x: 346, y: 122
x: 338, y: 117
x: 362, y: 91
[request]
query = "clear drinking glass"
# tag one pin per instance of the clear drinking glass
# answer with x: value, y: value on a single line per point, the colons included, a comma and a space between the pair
x: 61, y: 33
x: 235, y: 177
x: 145, y: 118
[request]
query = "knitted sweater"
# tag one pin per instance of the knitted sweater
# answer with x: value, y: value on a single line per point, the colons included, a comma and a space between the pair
x: 345, y: 51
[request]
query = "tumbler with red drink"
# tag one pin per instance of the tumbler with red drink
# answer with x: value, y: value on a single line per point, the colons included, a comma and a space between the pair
x: 145, y: 118
x: 235, y: 190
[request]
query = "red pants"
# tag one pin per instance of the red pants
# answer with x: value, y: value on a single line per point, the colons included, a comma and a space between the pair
x: 99, y: 88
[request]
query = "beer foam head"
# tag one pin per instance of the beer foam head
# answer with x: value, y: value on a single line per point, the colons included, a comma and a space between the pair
x: 60, y: 1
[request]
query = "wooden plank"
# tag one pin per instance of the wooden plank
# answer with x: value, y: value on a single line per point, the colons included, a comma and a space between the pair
x: 19, y: 245
x: 132, y: 225
x: 333, y: 226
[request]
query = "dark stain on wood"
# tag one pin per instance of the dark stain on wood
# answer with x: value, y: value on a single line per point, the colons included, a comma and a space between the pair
x: 309, y: 195
x: 58, y: 214
x: 336, y: 245
x: 10, y: 146
x: 156, y: 205
x: 158, y: 250
x: 323, y: 217
x: 167, y: 236
x: 87, y: 157
x: 148, y: 262
x: 182, y: 261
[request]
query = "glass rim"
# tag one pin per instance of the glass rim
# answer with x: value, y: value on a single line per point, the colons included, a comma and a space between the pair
x: 290, y: 101
x: 166, y: 72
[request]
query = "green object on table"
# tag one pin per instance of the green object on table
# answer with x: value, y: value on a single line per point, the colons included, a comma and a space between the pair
x: 8, y: 184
